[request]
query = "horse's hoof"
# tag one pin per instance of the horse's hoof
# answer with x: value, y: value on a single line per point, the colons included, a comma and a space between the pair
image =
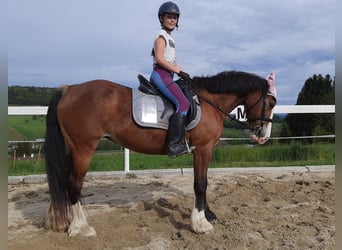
x: 203, y: 227
x: 199, y: 223
x: 210, y: 216
x: 53, y: 224
x: 56, y: 228
x: 86, y: 231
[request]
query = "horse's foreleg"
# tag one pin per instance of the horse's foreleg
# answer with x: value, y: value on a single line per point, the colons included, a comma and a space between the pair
x: 201, y: 212
x: 199, y: 222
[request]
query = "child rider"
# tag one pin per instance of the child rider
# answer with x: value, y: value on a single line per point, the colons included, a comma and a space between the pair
x: 164, y: 68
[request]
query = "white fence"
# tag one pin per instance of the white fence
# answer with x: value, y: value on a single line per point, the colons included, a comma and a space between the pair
x: 238, y: 112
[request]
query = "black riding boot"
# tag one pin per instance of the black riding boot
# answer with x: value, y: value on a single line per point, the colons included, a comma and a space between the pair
x: 176, y: 136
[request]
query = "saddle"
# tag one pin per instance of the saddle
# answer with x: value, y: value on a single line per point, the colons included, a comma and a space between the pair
x: 152, y: 109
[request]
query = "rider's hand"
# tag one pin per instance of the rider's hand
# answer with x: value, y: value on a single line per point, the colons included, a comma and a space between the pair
x: 184, y: 75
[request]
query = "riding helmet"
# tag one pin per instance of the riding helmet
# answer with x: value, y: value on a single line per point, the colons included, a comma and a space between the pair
x: 168, y: 7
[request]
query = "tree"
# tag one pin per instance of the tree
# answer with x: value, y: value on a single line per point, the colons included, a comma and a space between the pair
x: 22, y: 95
x: 317, y: 90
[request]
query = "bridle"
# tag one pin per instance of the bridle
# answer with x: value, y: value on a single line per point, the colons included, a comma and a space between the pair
x: 262, y: 117
x: 257, y: 129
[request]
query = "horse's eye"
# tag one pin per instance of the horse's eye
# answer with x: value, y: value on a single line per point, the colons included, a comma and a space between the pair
x: 272, y: 103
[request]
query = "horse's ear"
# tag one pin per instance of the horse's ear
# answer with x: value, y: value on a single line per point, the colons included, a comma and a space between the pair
x: 271, y: 82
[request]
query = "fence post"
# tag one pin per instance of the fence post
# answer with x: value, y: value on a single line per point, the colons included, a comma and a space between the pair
x: 126, y: 160
x: 14, y: 157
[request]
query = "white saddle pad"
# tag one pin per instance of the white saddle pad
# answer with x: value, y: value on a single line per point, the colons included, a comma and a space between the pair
x: 149, y: 111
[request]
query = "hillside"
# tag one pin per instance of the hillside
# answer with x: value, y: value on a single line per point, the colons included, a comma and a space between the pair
x: 25, y: 127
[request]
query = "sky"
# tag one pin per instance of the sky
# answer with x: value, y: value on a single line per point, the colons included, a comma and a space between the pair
x: 51, y: 43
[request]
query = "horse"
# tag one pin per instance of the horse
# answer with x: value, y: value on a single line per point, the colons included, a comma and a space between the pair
x: 79, y: 115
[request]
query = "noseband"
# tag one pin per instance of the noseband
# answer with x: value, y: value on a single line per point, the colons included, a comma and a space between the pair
x: 258, y: 129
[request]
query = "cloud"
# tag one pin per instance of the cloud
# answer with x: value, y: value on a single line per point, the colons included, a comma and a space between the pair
x: 75, y: 41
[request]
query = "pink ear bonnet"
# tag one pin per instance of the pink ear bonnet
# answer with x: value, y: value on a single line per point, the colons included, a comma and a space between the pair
x: 271, y: 82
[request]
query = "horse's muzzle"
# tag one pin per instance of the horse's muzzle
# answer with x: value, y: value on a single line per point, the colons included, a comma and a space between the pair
x: 260, y: 134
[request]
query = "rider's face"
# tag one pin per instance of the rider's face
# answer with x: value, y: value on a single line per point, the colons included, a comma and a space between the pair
x: 170, y: 20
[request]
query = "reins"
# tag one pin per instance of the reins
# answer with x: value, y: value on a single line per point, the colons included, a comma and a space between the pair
x: 193, y: 87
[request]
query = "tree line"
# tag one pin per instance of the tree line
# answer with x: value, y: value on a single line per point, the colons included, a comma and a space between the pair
x: 317, y: 90
x: 29, y: 96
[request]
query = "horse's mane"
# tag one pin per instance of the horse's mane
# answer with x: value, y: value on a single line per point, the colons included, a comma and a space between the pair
x: 236, y: 82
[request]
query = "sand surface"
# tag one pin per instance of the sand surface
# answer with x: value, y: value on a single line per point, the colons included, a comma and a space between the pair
x: 266, y: 210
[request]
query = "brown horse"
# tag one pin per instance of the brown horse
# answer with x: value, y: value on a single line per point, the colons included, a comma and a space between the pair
x: 80, y: 115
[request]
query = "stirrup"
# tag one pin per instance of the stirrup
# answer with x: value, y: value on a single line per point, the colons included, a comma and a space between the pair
x: 189, y: 147
x: 180, y: 150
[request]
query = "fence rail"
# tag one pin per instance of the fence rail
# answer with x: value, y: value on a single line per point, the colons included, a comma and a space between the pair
x: 238, y: 112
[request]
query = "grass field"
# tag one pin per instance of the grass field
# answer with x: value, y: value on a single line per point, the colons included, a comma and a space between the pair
x: 23, y: 127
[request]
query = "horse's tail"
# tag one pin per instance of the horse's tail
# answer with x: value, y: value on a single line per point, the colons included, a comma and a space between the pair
x: 57, y: 161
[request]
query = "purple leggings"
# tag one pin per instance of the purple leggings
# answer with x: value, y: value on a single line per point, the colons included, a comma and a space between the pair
x: 163, y: 80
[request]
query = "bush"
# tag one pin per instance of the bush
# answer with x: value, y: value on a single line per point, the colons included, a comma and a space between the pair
x: 24, y: 148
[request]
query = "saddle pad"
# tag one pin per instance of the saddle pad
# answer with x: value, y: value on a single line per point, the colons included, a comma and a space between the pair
x: 149, y: 111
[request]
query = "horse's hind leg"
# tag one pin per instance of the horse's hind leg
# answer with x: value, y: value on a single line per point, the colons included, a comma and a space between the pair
x: 79, y: 224
x: 78, y: 221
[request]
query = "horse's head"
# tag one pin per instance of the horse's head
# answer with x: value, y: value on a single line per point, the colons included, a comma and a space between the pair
x: 259, y: 111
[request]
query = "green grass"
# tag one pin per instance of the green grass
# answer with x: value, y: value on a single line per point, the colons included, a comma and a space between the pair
x: 24, y: 127
x: 233, y: 133
x: 294, y: 154
x: 14, y: 135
